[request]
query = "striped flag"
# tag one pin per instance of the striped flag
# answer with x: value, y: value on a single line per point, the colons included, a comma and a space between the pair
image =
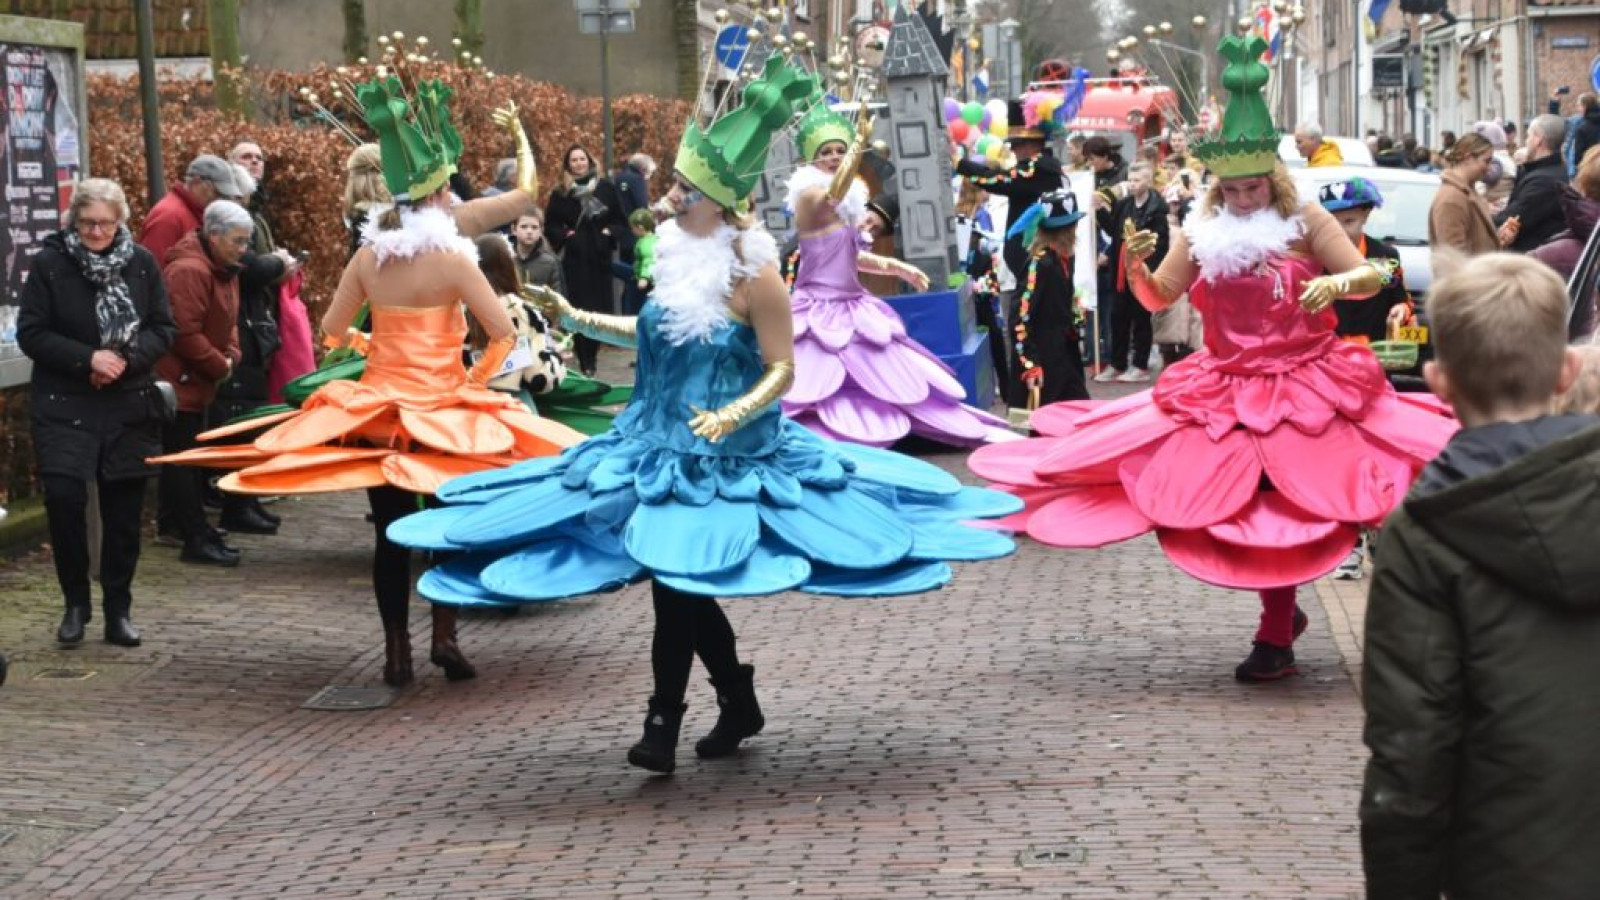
x: 1375, y: 11
x: 1267, y: 28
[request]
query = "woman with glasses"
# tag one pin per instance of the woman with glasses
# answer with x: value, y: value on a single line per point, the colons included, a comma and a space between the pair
x: 95, y: 320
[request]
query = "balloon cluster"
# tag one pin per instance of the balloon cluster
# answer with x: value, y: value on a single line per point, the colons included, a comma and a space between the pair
x: 979, y: 127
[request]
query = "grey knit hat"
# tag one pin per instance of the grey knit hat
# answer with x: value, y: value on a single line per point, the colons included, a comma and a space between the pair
x: 219, y: 172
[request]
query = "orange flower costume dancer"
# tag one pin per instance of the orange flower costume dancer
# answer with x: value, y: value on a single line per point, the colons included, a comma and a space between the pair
x: 417, y: 417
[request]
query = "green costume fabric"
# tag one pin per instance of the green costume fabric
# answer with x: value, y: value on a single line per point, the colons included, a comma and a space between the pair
x: 1247, y: 143
x: 418, y: 144
x: 725, y: 160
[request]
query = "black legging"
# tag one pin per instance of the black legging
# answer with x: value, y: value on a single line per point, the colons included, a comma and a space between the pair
x: 391, y: 563
x: 688, y: 625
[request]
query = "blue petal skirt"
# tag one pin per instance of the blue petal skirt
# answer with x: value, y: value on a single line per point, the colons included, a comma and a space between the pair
x: 809, y: 514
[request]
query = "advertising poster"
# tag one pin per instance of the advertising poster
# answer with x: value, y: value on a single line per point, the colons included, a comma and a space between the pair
x: 39, y: 159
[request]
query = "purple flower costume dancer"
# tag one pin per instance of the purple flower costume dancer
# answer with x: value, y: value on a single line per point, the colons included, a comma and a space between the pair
x: 858, y: 376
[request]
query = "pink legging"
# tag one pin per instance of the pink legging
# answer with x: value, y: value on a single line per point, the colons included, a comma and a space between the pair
x: 1277, y: 616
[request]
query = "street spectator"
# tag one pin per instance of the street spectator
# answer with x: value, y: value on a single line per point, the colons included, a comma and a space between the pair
x: 536, y: 262
x: 643, y: 226
x: 1178, y: 142
x: 1498, y: 177
x: 94, y: 320
x: 505, y: 178
x: 1075, y: 160
x: 633, y: 194
x: 1460, y: 217
x: 1447, y: 139
x: 1587, y: 132
x: 582, y: 218
x: 1535, y: 201
x: 261, y: 268
x: 1583, y: 398
x: 1580, y: 206
x: 1390, y: 155
x: 1177, y: 330
x: 1422, y: 160
x: 208, y: 178
x: 202, y: 276
x: 1105, y: 161
x: 1317, y: 150
x: 1483, y: 617
x: 1131, y: 337
x: 543, y: 370
x: 363, y: 190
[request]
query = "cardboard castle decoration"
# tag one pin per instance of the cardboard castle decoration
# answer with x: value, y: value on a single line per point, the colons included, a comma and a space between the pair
x: 916, y: 74
x: 943, y: 320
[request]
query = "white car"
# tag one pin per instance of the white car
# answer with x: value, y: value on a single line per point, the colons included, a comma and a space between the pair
x: 1354, y: 151
x: 1401, y: 221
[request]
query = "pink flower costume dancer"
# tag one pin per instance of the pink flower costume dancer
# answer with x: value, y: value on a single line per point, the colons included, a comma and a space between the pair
x: 858, y: 376
x: 1257, y: 460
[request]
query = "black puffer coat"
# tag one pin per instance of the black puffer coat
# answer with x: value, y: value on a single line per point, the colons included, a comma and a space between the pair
x: 1480, y: 672
x: 81, y: 431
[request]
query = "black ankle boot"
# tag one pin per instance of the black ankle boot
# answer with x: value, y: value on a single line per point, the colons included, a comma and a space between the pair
x: 739, y: 716
x: 72, y: 621
x: 657, y: 750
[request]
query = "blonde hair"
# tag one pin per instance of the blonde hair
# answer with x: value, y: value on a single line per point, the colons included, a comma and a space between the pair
x: 1499, y: 331
x: 1587, y: 181
x: 1584, y: 395
x: 968, y: 199
x: 363, y: 182
x: 1285, y: 196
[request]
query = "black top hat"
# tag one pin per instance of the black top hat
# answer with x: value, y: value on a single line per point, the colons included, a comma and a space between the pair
x: 1017, y: 124
x: 888, y: 207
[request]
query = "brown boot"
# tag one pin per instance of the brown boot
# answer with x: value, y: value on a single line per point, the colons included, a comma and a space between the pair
x: 396, y: 655
x: 445, y: 654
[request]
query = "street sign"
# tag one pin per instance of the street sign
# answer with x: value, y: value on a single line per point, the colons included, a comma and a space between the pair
x: 733, y: 43
x: 613, y: 21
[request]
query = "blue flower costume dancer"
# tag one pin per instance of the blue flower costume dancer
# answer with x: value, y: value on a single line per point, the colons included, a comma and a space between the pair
x: 701, y: 485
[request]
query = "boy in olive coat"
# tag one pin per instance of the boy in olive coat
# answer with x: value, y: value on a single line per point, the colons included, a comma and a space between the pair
x: 1482, y: 657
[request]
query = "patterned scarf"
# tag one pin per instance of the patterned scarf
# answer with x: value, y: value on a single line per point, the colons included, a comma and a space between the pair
x: 113, y: 307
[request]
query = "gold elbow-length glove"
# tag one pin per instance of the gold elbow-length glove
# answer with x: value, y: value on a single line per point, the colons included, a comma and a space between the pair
x: 621, y: 331
x: 714, y: 425
x: 1362, y: 281
x: 527, y: 169
x: 1136, y: 248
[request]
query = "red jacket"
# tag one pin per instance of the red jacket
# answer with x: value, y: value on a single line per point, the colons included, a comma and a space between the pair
x: 173, y: 216
x: 205, y: 306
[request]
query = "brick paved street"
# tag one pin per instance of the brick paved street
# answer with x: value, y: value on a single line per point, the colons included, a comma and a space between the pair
x: 1074, y: 702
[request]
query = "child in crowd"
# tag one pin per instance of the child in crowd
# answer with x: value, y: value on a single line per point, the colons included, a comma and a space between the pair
x: 643, y: 224
x: 1484, y: 616
x: 534, y: 366
x: 1366, y: 321
x: 537, y: 264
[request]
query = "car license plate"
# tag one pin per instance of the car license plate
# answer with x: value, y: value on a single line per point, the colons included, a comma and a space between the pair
x: 1416, y: 334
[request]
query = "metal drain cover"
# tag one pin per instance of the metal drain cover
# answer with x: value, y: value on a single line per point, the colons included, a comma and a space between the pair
x: 1068, y: 855
x: 347, y: 699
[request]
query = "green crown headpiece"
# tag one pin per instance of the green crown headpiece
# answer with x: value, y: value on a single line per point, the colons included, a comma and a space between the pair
x: 725, y: 160
x: 418, y: 144
x: 822, y: 126
x: 1247, y: 143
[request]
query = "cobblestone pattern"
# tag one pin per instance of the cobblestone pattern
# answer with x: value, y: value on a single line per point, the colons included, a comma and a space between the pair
x: 1070, y: 701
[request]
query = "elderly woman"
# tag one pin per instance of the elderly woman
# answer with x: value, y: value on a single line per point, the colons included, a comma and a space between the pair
x: 203, y: 277
x: 94, y: 321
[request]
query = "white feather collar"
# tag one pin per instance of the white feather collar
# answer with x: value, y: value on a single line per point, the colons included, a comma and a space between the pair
x: 1225, y: 245
x: 695, y: 276
x: 425, y: 230
x: 852, y: 209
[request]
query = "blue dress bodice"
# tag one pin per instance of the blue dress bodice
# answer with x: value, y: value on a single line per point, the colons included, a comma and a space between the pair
x: 675, y: 380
